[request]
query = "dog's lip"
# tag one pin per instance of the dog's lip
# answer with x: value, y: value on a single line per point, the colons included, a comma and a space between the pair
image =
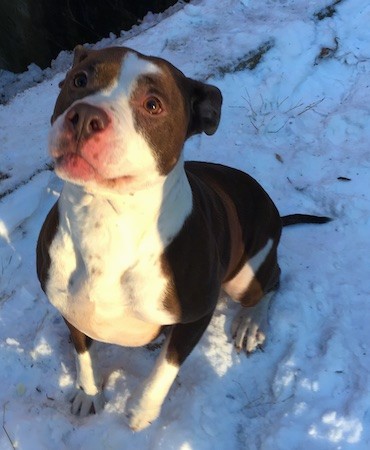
x: 74, y: 167
x: 58, y: 158
x: 73, y: 158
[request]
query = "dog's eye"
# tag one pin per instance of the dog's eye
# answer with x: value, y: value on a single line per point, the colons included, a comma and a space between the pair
x: 153, y: 105
x: 80, y: 80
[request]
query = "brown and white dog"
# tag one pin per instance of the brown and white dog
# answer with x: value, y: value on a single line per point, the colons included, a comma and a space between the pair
x: 139, y: 240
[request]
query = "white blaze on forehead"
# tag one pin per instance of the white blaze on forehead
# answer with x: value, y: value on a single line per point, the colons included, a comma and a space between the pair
x: 132, y: 68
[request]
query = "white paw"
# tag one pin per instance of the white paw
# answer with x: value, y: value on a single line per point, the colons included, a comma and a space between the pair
x: 141, y: 413
x: 246, y: 331
x: 84, y: 404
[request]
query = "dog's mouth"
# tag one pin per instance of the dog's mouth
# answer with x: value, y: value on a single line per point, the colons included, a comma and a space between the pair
x: 75, y: 168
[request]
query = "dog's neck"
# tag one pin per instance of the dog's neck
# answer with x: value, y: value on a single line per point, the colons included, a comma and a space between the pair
x: 161, y: 207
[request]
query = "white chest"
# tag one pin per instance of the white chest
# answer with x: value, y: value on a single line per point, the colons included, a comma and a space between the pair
x: 105, y: 276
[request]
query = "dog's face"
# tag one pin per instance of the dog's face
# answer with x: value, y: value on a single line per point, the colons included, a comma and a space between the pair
x: 121, y: 118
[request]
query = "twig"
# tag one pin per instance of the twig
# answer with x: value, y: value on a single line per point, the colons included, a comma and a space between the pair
x: 250, y: 103
x: 250, y: 120
x: 41, y: 324
x: 311, y: 106
x: 286, y: 98
x: 282, y: 126
x: 292, y: 108
x: 5, y: 430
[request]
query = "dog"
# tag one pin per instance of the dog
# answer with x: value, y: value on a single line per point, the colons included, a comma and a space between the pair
x: 140, y: 241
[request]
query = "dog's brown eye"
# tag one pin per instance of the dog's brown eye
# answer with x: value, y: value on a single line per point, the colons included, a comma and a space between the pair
x: 153, y: 105
x: 80, y: 80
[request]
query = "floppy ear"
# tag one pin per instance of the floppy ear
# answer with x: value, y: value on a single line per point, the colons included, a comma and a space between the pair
x: 205, y: 108
x: 79, y: 54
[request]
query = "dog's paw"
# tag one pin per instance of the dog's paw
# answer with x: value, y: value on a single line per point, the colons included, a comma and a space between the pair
x: 84, y: 404
x: 246, y: 332
x: 141, y: 413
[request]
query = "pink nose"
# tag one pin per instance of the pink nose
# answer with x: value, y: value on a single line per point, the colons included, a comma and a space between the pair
x: 86, y: 120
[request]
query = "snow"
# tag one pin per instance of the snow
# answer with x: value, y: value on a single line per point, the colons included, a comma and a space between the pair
x: 299, y: 122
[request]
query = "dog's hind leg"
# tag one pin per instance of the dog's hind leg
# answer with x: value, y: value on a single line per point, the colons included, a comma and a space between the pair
x: 253, y: 287
x: 249, y: 325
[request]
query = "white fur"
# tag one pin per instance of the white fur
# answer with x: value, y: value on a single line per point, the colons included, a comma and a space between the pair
x: 88, y: 392
x: 86, y: 373
x: 108, y: 281
x: 145, y: 403
x: 249, y: 325
x: 237, y: 286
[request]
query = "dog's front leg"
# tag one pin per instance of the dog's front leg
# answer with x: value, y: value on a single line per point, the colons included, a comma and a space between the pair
x: 88, y: 397
x: 145, y: 403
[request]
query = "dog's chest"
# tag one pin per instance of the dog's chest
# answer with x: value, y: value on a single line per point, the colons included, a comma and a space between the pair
x: 106, y: 274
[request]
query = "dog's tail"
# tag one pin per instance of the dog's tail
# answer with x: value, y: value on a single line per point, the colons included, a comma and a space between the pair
x: 294, y: 219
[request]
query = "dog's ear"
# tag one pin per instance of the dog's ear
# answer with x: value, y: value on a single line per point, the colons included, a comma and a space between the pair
x: 205, y: 108
x: 79, y: 54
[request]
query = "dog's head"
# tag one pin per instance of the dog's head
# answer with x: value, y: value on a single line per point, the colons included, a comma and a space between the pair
x: 121, y: 118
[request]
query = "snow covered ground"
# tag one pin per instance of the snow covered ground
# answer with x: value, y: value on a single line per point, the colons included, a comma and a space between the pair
x: 299, y: 122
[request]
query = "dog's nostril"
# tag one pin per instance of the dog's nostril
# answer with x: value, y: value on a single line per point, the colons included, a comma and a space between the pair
x: 96, y: 124
x: 73, y: 117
